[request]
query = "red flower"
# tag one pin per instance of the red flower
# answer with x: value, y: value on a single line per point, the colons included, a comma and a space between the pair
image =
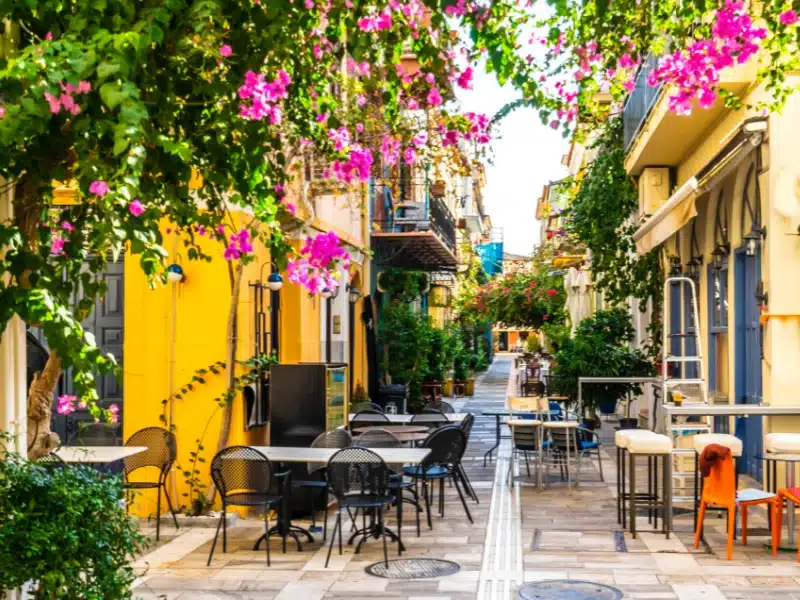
x: 545, y: 317
x: 551, y: 292
x: 549, y: 235
x: 534, y: 283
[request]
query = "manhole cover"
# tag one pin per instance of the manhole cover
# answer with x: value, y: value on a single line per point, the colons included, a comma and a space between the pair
x: 568, y: 590
x: 413, y: 568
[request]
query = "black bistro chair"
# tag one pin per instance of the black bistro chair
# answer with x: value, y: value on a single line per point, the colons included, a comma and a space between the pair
x: 162, y: 449
x: 447, y: 445
x: 51, y: 461
x: 368, y: 416
x: 382, y: 438
x: 430, y: 418
x: 362, y: 406
x: 441, y: 406
x: 466, y: 426
x: 244, y: 477
x: 360, y: 480
x: 336, y: 438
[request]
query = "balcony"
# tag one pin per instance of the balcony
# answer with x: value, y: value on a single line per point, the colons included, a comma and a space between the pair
x: 416, y: 235
x: 656, y: 136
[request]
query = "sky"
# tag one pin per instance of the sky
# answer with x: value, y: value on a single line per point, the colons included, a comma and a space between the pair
x: 526, y: 156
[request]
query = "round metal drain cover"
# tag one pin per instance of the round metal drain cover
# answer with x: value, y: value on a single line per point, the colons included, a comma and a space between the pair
x: 568, y: 590
x: 413, y: 568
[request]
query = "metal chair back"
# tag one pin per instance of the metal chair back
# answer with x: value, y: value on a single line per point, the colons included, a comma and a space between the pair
x: 162, y: 450
x: 524, y: 437
x: 241, y: 471
x: 429, y: 418
x: 466, y: 425
x: 362, y: 406
x: 368, y: 416
x: 336, y: 438
x: 447, y: 446
x: 51, y: 460
x: 380, y: 438
x: 563, y: 437
x: 96, y: 434
x: 357, y: 471
x: 442, y: 407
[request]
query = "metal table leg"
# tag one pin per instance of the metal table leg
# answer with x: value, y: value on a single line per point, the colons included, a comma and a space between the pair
x: 790, y: 507
x: 497, y: 441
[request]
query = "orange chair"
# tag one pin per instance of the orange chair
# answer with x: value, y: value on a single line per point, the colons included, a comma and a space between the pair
x: 788, y: 495
x: 719, y: 489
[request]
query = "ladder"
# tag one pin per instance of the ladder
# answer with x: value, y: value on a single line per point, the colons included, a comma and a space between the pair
x: 692, y: 386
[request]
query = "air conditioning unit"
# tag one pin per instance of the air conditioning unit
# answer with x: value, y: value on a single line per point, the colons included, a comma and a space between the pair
x: 653, y: 190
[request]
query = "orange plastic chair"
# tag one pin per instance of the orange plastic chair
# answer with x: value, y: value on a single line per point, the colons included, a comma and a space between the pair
x: 719, y: 489
x: 789, y: 495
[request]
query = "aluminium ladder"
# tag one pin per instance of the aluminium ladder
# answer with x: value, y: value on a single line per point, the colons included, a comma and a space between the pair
x: 690, y: 379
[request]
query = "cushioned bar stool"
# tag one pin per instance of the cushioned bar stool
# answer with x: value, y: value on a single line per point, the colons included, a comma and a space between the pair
x: 653, y: 446
x: 621, y: 438
x: 782, y: 448
x: 701, y: 440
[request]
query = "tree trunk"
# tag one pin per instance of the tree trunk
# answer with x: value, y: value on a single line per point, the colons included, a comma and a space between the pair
x: 230, y: 360
x: 42, y: 441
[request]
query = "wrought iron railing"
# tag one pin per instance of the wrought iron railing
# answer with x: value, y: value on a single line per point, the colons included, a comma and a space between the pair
x: 442, y: 221
x: 432, y: 215
x: 640, y: 102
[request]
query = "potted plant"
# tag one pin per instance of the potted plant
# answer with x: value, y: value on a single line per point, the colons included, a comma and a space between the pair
x: 438, y: 188
x: 600, y: 349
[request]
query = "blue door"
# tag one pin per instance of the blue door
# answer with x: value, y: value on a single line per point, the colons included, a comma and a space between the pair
x: 748, y: 358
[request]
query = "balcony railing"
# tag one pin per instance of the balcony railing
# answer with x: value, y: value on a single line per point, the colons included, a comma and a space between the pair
x: 640, y: 102
x: 442, y: 222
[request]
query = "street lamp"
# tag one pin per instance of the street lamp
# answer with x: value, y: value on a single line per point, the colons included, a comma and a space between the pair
x: 719, y: 255
x: 753, y: 240
x: 353, y: 293
x: 275, y: 281
x: 693, y: 267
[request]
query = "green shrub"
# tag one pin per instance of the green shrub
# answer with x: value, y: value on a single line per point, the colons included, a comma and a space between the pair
x: 66, y: 530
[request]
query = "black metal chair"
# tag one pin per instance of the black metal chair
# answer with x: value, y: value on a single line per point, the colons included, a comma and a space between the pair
x: 360, y: 480
x: 336, y: 438
x: 447, y: 445
x: 466, y: 426
x: 441, y: 406
x: 162, y: 449
x: 96, y: 434
x: 362, y: 406
x: 382, y: 438
x: 368, y: 417
x: 430, y: 419
x: 52, y: 460
x: 244, y: 477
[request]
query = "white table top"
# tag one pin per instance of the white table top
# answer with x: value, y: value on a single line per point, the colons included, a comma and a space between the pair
x: 405, y: 419
x: 702, y: 410
x: 97, y: 454
x: 396, y: 456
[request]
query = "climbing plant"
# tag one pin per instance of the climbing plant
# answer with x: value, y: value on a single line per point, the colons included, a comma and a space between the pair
x: 601, y: 217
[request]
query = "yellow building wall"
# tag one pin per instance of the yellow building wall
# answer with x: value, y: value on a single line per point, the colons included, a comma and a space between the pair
x: 173, y: 330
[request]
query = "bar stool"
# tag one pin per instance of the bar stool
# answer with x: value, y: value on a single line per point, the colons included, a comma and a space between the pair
x: 563, y: 449
x: 785, y: 448
x: 621, y: 438
x: 526, y: 436
x: 701, y: 440
x: 653, y: 446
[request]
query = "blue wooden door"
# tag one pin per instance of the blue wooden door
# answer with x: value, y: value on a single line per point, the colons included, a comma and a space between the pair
x: 748, y: 359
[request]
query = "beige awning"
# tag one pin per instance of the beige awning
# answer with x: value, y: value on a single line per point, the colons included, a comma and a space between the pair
x: 680, y: 208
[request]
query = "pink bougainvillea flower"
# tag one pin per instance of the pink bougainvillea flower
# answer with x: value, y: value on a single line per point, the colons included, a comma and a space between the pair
x: 67, y: 226
x: 2, y: 112
x: 264, y: 97
x: 413, y: 104
x: 360, y: 127
x: 434, y: 97
x: 390, y: 149
x: 84, y: 87
x: 340, y: 138
x: 316, y: 268
x: 231, y: 253
x: 55, y: 105
x: 66, y: 404
x: 48, y: 36
x: 554, y: 124
x: 225, y: 51
x: 410, y: 155
x: 290, y: 208
x: 99, y: 188
x: 789, y: 17
x: 57, y: 247
x: 420, y: 139
x: 358, y: 165
x: 465, y: 79
x: 361, y: 100
x: 136, y: 208
x: 430, y: 79
x: 220, y: 230
x: 551, y: 292
x: 322, y: 117
x: 625, y: 62
x: 279, y: 189
x: 201, y: 230
x: 113, y: 409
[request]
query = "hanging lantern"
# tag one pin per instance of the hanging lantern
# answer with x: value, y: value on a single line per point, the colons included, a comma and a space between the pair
x: 274, y: 281
x: 175, y: 273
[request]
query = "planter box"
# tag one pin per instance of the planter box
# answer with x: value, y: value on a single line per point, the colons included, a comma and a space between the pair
x: 447, y: 388
x: 470, y: 387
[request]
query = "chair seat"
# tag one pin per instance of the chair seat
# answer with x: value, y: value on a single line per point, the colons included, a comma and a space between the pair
x: 787, y: 443
x: 366, y: 501
x: 250, y: 499
x: 433, y: 472
x: 310, y: 484
x: 701, y: 440
x: 650, y: 444
x: 588, y: 445
x: 561, y: 425
x: 523, y: 423
x: 753, y: 495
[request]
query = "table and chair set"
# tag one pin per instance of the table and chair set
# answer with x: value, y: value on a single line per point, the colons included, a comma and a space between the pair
x: 382, y: 461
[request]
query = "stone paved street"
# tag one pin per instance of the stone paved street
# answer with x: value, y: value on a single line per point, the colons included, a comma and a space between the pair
x: 520, y: 535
